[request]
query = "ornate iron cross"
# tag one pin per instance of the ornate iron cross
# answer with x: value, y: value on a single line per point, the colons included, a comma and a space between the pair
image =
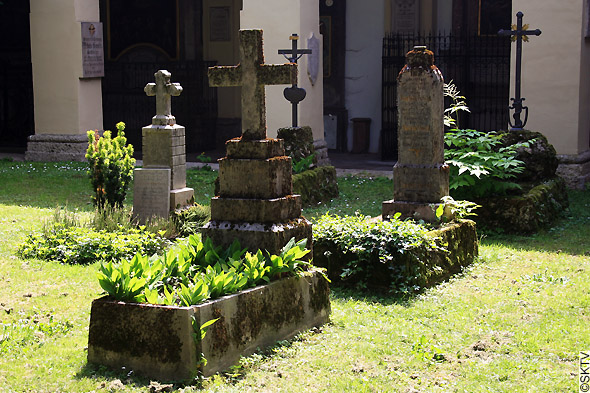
x: 163, y: 89
x: 252, y: 75
x: 519, y: 33
x: 294, y: 94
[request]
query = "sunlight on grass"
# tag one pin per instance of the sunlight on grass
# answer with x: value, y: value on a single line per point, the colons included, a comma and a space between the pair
x: 512, y: 322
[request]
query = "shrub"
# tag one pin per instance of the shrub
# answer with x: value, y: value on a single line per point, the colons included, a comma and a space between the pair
x: 81, y: 245
x: 480, y: 165
x: 195, y: 271
x: 374, y: 252
x: 111, y: 167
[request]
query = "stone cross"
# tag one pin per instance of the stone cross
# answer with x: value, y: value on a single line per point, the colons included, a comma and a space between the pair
x: 252, y: 75
x: 519, y: 34
x: 163, y: 89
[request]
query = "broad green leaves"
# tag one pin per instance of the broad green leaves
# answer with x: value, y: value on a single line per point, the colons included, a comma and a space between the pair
x: 196, y: 271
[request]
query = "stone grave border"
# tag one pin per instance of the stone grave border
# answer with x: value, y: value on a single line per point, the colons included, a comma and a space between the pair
x: 158, y: 341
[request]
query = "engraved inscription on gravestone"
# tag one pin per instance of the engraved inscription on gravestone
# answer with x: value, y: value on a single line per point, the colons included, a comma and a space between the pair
x: 151, y: 193
x: 92, y: 50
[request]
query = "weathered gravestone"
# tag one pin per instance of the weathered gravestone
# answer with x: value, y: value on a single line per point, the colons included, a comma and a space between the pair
x: 420, y: 177
x: 255, y: 203
x: 161, y: 184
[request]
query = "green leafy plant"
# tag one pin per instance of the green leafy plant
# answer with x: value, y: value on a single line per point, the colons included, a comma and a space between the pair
x: 195, y: 271
x: 111, y: 167
x: 424, y: 350
x: 80, y: 245
x: 458, y: 209
x: 479, y: 164
x: 458, y: 104
x: 390, y: 253
x: 303, y: 164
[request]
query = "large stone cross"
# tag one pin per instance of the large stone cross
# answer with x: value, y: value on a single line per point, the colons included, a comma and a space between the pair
x: 163, y: 89
x: 252, y: 75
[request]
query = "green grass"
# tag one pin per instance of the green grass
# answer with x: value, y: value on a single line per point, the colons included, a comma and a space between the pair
x: 513, y: 322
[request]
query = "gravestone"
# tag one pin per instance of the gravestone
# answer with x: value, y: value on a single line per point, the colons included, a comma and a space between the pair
x: 420, y: 177
x: 255, y: 204
x: 164, y: 159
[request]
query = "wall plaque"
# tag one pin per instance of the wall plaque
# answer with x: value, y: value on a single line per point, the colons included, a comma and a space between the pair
x: 92, y: 50
x: 406, y: 16
x: 219, y: 24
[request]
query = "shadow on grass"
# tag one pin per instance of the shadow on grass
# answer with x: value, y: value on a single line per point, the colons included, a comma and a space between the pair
x: 112, y: 379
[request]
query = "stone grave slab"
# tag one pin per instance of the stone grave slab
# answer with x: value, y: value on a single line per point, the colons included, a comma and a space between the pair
x: 151, y: 193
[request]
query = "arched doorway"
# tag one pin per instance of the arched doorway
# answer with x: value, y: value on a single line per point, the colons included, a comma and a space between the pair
x: 141, y: 37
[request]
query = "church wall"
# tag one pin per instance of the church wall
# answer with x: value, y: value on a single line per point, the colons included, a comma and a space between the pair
x: 551, y: 72
x: 364, y: 37
x: 64, y: 103
x: 284, y: 18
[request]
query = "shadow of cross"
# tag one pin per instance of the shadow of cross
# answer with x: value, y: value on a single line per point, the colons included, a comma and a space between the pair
x: 163, y: 89
x: 252, y: 75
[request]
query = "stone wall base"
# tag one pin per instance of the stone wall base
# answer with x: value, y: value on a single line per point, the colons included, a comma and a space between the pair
x: 56, y: 147
x: 575, y: 169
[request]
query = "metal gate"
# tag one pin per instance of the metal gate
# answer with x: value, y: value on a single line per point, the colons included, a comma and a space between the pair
x: 125, y: 100
x: 478, y: 65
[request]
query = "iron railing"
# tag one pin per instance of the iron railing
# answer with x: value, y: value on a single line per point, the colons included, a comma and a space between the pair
x: 478, y: 65
x: 125, y: 100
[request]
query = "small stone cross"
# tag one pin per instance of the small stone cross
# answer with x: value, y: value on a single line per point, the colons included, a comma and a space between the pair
x: 252, y: 75
x: 163, y: 89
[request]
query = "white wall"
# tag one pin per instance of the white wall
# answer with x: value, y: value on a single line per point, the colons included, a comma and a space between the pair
x: 553, y: 80
x: 64, y: 103
x: 364, y: 36
x: 279, y: 19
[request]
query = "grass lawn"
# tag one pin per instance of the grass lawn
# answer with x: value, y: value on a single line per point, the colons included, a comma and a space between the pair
x: 515, y: 321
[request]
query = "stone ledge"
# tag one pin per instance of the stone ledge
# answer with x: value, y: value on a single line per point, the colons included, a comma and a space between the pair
x: 56, y: 147
x: 256, y: 210
x: 255, y: 235
x: 180, y: 197
x: 254, y: 149
x: 157, y: 341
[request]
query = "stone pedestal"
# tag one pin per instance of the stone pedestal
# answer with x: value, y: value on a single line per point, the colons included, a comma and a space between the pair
x: 420, y: 177
x: 163, y: 145
x: 255, y: 203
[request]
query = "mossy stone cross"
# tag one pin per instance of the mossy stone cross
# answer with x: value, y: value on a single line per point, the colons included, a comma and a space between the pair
x: 163, y: 89
x: 252, y: 75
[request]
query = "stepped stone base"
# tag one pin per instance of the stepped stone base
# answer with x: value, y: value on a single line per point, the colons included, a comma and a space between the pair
x: 261, y: 149
x: 255, y: 235
x: 575, y: 169
x: 255, y: 178
x: 56, y: 147
x: 164, y: 146
x: 321, y: 152
x: 424, y: 184
x: 180, y: 197
x: 256, y: 210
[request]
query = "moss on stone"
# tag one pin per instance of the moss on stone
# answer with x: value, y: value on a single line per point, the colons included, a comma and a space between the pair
x: 298, y: 141
x: 540, y: 159
x: 536, y: 209
x: 316, y: 185
x: 459, y: 247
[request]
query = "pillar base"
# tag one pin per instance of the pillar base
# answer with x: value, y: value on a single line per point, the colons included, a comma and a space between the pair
x: 56, y: 147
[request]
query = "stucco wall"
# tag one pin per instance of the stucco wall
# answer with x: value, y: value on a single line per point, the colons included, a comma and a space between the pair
x: 279, y: 19
x: 364, y: 37
x: 554, y: 74
x: 64, y: 103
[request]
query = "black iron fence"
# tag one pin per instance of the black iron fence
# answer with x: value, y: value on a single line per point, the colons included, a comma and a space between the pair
x: 478, y: 65
x: 125, y: 100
